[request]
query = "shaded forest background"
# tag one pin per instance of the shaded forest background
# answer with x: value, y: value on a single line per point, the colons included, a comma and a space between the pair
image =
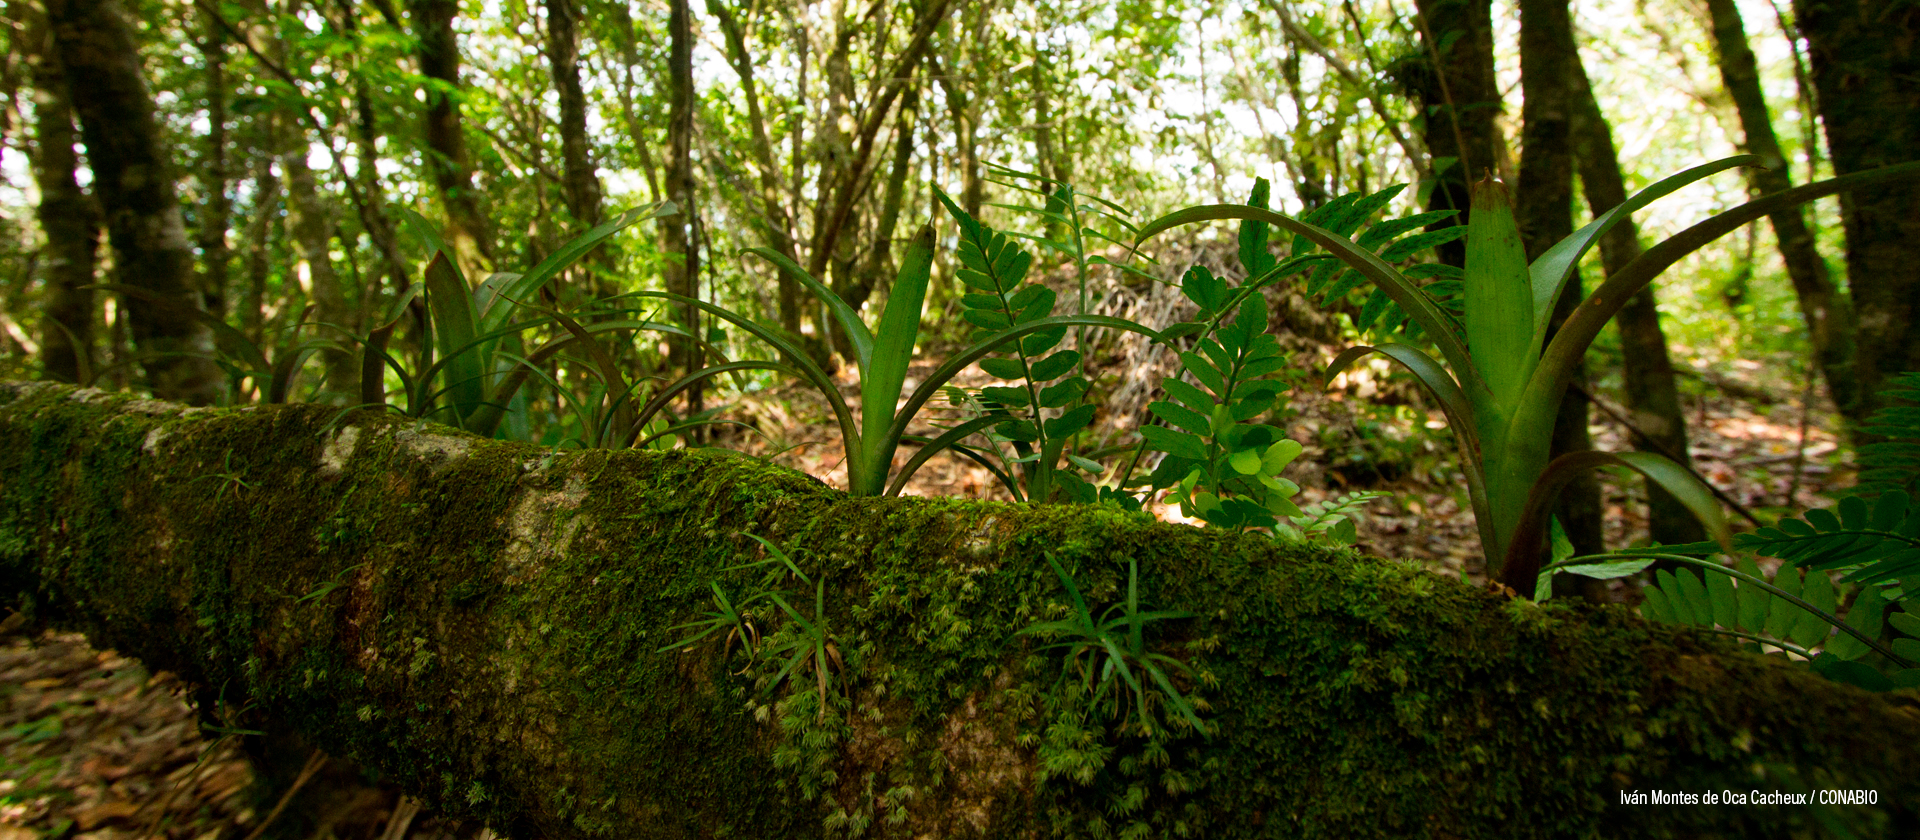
x: 259, y: 163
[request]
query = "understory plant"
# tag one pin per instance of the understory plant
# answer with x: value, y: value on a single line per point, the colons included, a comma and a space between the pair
x: 1871, y: 538
x: 1224, y: 468
x: 1502, y: 380
x: 882, y: 355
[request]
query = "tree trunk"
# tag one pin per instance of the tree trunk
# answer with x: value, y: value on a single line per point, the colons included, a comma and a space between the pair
x: 1455, y: 86
x: 439, y: 55
x: 133, y: 180
x: 1549, y: 62
x: 682, y: 259
x: 217, y: 213
x: 493, y: 628
x: 580, y: 182
x: 67, y: 215
x: 1653, y: 400
x: 1829, y: 317
x: 773, y: 210
x: 1866, y: 76
x: 310, y: 224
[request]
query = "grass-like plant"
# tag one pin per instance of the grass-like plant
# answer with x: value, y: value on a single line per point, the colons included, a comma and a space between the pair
x: 1114, y: 646
x: 1502, y: 380
x: 801, y: 644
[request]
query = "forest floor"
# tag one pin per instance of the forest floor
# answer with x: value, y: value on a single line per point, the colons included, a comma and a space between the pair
x: 94, y: 746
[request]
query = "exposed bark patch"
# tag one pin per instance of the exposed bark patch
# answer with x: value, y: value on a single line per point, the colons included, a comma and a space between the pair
x: 987, y: 766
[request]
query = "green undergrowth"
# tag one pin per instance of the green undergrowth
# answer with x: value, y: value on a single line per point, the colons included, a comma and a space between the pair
x: 486, y: 628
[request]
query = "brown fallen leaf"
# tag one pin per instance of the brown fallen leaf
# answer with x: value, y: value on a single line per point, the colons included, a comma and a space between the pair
x: 103, y: 812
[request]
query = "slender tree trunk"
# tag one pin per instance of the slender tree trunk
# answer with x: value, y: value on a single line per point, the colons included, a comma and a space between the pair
x: 580, y: 183
x: 773, y: 211
x: 310, y: 223
x: 878, y: 264
x: 218, y: 210
x: 683, y: 260
x: 1828, y: 315
x: 365, y: 133
x: 66, y: 213
x: 447, y: 158
x: 133, y: 181
x: 965, y: 133
x: 1653, y: 401
x: 1458, y: 94
x: 1866, y: 78
x: 1549, y: 61
x: 260, y: 228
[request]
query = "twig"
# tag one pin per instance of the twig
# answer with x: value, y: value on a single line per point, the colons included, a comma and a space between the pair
x: 312, y: 766
x: 1685, y: 463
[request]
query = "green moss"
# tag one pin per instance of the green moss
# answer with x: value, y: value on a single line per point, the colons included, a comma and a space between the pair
x: 491, y: 643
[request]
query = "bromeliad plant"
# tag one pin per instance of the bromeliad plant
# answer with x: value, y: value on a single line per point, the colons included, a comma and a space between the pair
x: 882, y: 355
x: 1506, y: 379
x: 476, y: 378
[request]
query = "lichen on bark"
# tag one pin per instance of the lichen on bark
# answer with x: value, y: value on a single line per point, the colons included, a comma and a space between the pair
x: 482, y: 621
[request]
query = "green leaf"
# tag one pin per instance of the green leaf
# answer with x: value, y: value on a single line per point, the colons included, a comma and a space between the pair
x: 1042, y: 341
x: 1205, y: 290
x: 454, y: 324
x: 1782, y: 615
x: 1062, y: 392
x: 1720, y: 594
x: 1187, y: 394
x: 1245, y: 462
x: 1811, y: 629
x: 1551, y: 270
x: 1279, y: 455
x: 1009, y: 397
x: 1004, y: 368
x: 1162, y: 439
x: 1055, y: 366
x: 1177, y: 415
x: 1905, y: 622
x: 1608, y: 570
x: 1019, y: 430
x: 987, y: 319
x: 1500, y: 307
x: 1254, y: 256
x: 1070, y: 422
x: 1203, y: 371
x: 1867, y: 615
x: 1694, y: 593
x: 1656, y: 606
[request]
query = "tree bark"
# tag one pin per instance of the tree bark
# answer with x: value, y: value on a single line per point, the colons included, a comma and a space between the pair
x: 682, y: 268
x: 1866, y: 78
x: 217, y: 213
x: 133, y: 181
x: 1459, y: 95
x: 1653, y: 398
x: 1549, y: 62
x: 580, y: 182
x: 1828, y: 316
x: 67, y: 215
x: 484, y: 624
x: 447, y: 159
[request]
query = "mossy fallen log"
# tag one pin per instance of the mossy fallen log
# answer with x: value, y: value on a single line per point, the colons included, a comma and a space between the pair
x: 481, y: 621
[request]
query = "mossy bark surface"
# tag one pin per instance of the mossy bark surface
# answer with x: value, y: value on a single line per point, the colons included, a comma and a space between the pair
x: 481, y: 622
